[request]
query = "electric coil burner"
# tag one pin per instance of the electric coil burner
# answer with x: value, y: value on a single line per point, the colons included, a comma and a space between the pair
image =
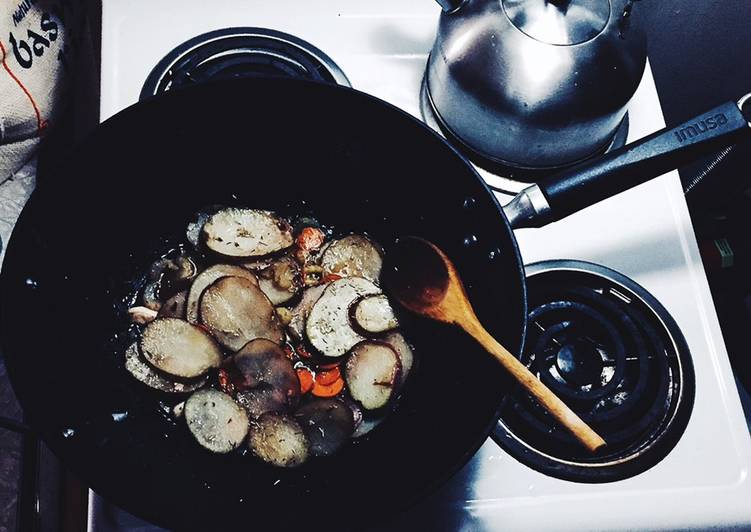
x: 239, y: 53
x: 616, y: 357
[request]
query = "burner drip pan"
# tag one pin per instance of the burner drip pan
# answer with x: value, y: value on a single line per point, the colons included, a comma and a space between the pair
x: 611, y: 352
x: 239, y: 53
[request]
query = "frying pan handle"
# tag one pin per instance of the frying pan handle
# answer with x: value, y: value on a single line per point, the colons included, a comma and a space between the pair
x: 557, y: 196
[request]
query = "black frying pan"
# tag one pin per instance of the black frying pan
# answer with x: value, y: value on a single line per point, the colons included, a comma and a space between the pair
x: 90, y: 231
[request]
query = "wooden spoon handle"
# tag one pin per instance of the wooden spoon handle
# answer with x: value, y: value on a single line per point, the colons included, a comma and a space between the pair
x: 557, y: 408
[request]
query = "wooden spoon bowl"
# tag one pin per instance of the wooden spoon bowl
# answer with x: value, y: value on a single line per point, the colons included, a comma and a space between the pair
x: 424, y: 280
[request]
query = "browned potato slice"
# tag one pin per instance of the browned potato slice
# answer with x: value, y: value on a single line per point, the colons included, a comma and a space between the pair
x: 328, y: 327
x: 178, y: 348
x: 262, y: 363
x: 150, y: 296
x: 280, y: 281
x: 206, y: 278
x: 372, y: 372
x: 278, y: 440
x: 195, y: 227
x: 137, y: 367
x: 353, y: 256
x: 262, y: 400
x: 168, y: 275
x: 177, y: 274
x: 236, y: 312
x: 404, y: 352
x: 258, y: 264
x: 373, y: 314
x: 327, y: 423
x: 175, y: 306
x: 301, y: 311
x: 321, y: 252
x: 216, y: 421
x: 245, y: 233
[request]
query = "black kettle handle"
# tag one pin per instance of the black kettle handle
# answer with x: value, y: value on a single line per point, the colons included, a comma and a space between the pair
x: 557, y: 196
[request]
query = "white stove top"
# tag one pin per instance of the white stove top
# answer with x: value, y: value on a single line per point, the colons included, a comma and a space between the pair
x: 645, y: 233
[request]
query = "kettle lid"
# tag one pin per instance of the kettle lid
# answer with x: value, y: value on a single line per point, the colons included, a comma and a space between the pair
x: 559, y: 22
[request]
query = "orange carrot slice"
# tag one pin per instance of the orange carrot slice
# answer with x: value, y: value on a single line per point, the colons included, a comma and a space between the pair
x: 330, y: 390
x: 331, y: 278
x: 306, y: 380
x: 302, y: 351
x: 203, y: 328
x: 310, y: 238
x: 289, y: 351
x: 329, y: 376
x: 225, y: 382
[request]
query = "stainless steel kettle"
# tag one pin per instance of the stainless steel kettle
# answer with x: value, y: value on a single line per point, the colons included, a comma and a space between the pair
x: 534, y: 83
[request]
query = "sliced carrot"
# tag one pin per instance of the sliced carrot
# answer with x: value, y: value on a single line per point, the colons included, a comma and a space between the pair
x: 203, y: 328
x: 306, y: 379
x: 310, y: 238
x: 331, y: 277
x: 328, y: 390
x: 328, y: 366
x: 289, y: 351
x: 302, y: 351
x: 225, y: 382
x: 327, y: 377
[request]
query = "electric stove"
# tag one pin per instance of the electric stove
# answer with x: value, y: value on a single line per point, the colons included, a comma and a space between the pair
x: 622, y: 321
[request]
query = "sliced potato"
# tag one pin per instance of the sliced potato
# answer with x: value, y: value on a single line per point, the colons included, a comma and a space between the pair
x: 372, y: 373
x: 150, y: 296
x: 175, y: 306
x: 328, y: 327
x: 206, y: 278
x: 142, y: 315
x: 353, y: 256
x: 301, y: 311
x: 137, y: 367
x: 195, y: 227
x: 236, y: 312
x: 262, y: 363
x: 321, y: 252
x: 278, y: 440
x: 373, y: 314
x: 258, y: 264
x: 178, y: 348
x: 327, y: 423
x: 281, y: 280
x: 357, y: 414
x: 242, y: 233
x: 404, y: 351
x: 262, y: 400
x: 216, y: 421
x: 177, y: 274
x: 168, y: 275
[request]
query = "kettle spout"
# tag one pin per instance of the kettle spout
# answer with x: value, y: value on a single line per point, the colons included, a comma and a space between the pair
x: 451, y: 6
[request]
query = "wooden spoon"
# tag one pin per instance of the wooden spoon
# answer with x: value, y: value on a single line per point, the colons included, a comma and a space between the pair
x: 425, y: 281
